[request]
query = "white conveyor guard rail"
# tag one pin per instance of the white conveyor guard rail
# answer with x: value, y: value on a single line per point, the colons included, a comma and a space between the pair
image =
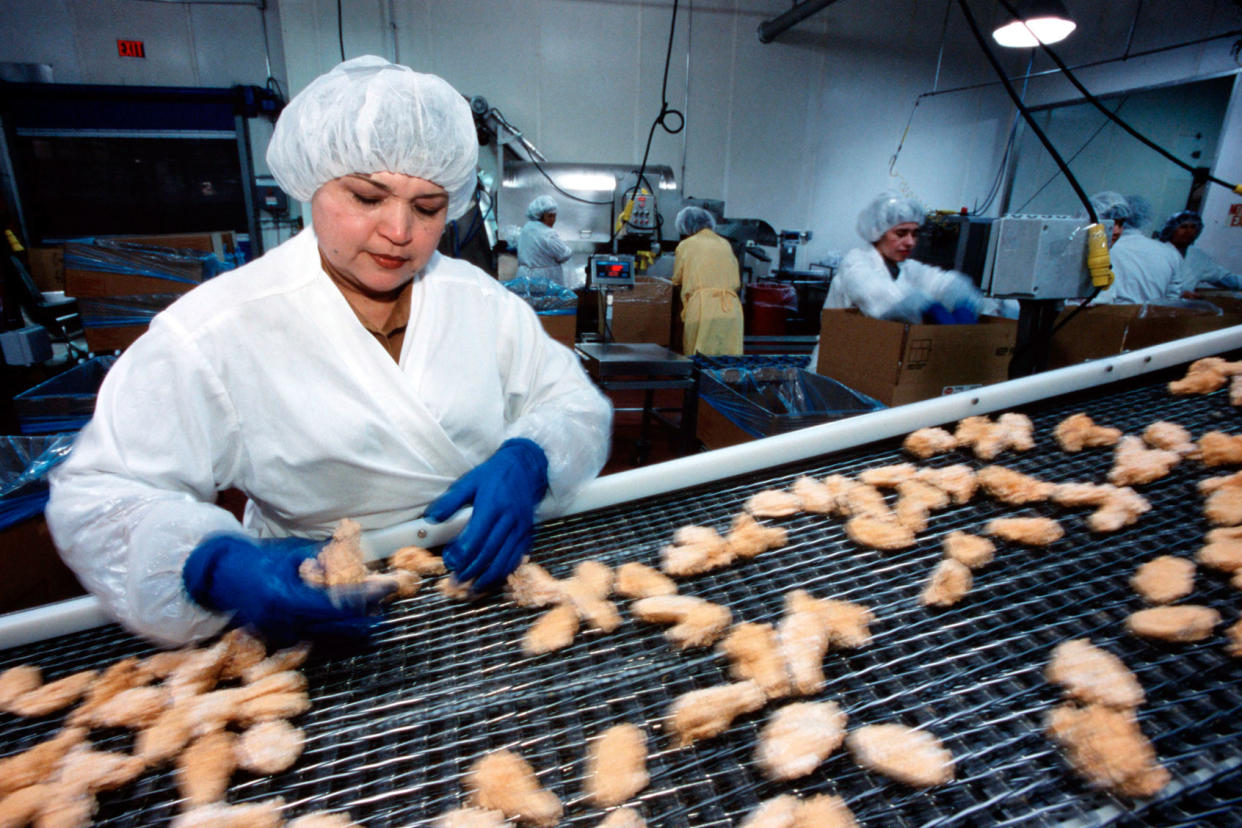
x: 28, y: 626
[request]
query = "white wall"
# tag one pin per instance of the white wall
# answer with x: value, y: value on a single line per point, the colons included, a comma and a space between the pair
x: 799, y: 132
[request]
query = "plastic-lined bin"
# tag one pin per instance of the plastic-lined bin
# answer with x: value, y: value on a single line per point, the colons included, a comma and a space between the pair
x: 106, y: 267
x: 752, y: 362
x: 24, y: 464
x: 65, y: 402
x: 37, y: 575
x: 746, y: 403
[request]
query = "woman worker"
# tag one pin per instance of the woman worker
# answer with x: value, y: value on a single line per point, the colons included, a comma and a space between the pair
x: 707, y: 271
x: 881, y: 279
x: 1144, y: 269
x: 353, y: 371
x: 1197, y: 269
x: 540, y: 251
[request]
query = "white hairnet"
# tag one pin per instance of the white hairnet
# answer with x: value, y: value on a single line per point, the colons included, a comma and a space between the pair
x: 1110, y: 205
x: 368, y: 115
x: 691, y: 220
x: 541, y: 206
x: 885, y: 212
x: 1177, y: 220
x: 1140, y: 212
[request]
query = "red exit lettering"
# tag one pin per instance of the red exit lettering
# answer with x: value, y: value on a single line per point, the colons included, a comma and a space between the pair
x: 130, y: 48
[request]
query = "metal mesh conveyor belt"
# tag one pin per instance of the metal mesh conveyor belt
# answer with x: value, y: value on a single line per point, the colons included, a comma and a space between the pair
x: 394, y: 729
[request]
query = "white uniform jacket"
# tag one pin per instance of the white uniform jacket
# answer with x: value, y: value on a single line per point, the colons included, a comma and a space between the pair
x: 1199, y: 270
x: 863, y: 282
x: 264, y: 380
x: 1144, y: 270
x: 540, y: 253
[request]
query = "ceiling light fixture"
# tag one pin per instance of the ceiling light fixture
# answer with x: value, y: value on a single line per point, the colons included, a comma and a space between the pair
x: 1036, y: 21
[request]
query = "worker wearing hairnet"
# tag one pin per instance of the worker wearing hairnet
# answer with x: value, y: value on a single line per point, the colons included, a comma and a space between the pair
x: 351, y: 372
x: 707, y: 272
x: 1144, y: 269
x: 1197, y: 270
x: 540, y: 251
x: 882, y: 281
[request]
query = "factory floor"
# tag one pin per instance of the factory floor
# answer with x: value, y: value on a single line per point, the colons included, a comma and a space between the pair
x: 627, y: 432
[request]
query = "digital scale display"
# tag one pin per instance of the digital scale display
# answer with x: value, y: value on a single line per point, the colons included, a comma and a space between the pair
x: 612, y: 272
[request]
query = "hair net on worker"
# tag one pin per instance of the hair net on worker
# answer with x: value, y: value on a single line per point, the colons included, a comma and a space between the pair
x: 1140, y: 212
x: 1111, y: 206
x: 540, y: 207
x: 368, y: 115
x: 1177, y: 220
x: 886, y: 212
x: 691, y: 220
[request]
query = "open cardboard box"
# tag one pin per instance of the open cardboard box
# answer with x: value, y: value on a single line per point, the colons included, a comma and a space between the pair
x: 1108, y: 330
x: 642, y: 314
x: 898, y: 363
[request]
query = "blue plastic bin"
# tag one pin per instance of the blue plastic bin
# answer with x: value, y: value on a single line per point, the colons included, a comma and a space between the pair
x: 63, y: 403
x: 776, y: 399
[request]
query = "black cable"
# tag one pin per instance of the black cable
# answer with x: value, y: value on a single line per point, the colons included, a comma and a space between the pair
x: 340, y: 29
x: 1077, y: 153
x: 1026, y: 112
x: 661, y: 119
x: 1065, y: 70
x: 517, y: 133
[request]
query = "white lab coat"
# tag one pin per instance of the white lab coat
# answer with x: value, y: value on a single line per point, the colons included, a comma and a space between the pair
x: 540, y: 253
x: 264, y: 380
x: 864, y: 282
x: 1144, y: 270
x: 1199, y: 270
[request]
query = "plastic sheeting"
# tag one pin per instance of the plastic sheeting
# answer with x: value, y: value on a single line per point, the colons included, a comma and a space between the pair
x: 112, y: 311
x: 544, y: 294
x: 24, y: 465
x: 65, y: 402
x: 763, y: 401
x: 174, y: 265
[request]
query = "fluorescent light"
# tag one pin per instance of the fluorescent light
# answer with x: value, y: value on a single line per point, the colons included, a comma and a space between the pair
x: 1026, y: 33
x: 1032, y: 22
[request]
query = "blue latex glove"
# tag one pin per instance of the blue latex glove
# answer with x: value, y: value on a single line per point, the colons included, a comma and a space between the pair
x: 937, y: 314
x: 965, y: 314
x: 504, y: 490
x: 259, y: 583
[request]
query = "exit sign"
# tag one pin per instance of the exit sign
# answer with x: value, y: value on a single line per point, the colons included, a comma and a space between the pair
x: 130, y: 48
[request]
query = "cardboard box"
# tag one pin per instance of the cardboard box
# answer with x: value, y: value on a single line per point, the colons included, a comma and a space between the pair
x: 1108, y: 330
x: 33, y: 575
x: 715, y: 430
x: 105, y: 339
x: 898, y: 363
x: 47, y: 268
x: 563, y: 327
x: 643, y: 314
x: 221, y: 243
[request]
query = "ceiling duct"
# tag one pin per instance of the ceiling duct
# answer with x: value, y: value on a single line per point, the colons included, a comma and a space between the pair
x: 769, y: 30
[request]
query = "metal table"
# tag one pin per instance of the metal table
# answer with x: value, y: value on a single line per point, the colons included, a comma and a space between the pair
x: 645, y: 366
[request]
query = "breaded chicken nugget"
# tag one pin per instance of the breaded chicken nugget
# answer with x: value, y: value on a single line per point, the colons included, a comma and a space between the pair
x: 1106, y: 747
x: 702, y: 714
x: 971, y: 550
x: 926, y: 442
x: 753, y: 651
x: 1032, y: 531
x: 1093, y: 675
x: 635, y: 580
x: 798, y: 738
x: 773, y: 503
x: 1079, y: 431
x: 948, y: 584
x: 616, y: 766
x: 505, y: 782
x: 1180, y: 623
x: 914, y: 757
x: 1165, y: 579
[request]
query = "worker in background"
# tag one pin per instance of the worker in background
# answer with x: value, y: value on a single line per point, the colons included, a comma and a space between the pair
x: 707, y: 272
x: 540, y: 251
x: 882, y: 281
x: 351, y: 372
x: 1197, y: 269
x: 1144, y: 269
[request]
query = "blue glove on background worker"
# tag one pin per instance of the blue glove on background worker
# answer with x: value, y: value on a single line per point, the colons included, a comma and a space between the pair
x: 504, y: 491
x: 259, y: 583
x: 938, y: 314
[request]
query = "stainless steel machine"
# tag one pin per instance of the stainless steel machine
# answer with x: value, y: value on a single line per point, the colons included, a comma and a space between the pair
x: 393, y: 728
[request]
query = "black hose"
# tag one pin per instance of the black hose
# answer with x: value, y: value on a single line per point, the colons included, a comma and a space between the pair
x: 1026, y: 113
x: 1065, y: 70
x: 661, y: 119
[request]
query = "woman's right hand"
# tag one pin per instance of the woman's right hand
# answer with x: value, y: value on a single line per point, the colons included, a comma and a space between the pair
x: 261, y: 585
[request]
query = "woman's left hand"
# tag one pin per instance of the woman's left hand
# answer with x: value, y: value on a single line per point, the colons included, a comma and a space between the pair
x: 504, y: 491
